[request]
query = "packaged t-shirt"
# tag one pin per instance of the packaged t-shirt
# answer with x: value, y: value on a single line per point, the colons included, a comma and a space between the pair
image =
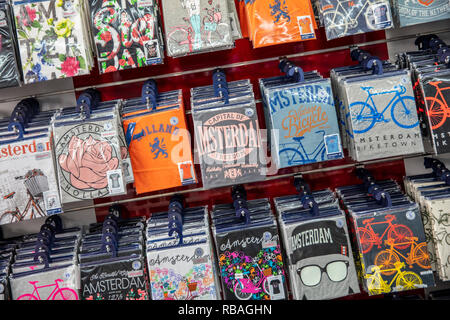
x: 320, y: 259
x: 436, y: 90
x: 228, y: 142
x: 61, y: 283
x: 344, y: 18
x: 251, y: 264
x: 114, y: 280
x: 411, y: 12
x: 274, y: 22
x: 382, y: 117
x: 393, y: 250
x: 28, y: 183
x: 53, y: 39
x: 304, y: 124
x: 193, y: 26
x: 88, y: 157
x: 160, y: 149
x: 125, y: 34
x: 183, y: 272
x: 9, y: 73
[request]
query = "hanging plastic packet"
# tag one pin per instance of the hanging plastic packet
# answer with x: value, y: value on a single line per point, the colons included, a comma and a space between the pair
x: 180, y: 254
x: 432, y: 193
x: 320, y: 258
x: 197, y: 26
x: 29, y: 187
x: 234, y: 20
x: 336, y: 75
x: 344, y: 18
x: 280, y: 21
x: 408, y: 13
x: 251, y: 264
x: 9, y: 74
x: 381, y: 116
x: 126, y: 33
x: 7, y: 249
x: 158, y: 143
x: 88, y: 157
x: 390, y: 237
x: 53, y: 40
x: 227, y: 135
x: 435, y: 87
x: 302, y: 118
x: 112, y: 262
x: 45, y: 275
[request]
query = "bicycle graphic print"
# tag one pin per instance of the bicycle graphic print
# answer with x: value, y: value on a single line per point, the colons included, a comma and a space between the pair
x: 396, y: 234
x: 296, y: 154
x: 210, y: 30
x: 349, y: 14
x: 36, y: 183
x: 438, y: 109
x: 404, y: 280
x: 418, y: 254
x: 56, y: 294
x: 364, y: 114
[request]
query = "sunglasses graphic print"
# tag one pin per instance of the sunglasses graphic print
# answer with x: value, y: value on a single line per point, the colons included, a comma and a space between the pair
x: 311, y: 275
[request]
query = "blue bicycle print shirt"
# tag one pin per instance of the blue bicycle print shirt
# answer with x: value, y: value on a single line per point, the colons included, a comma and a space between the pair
x: 382, y: 117
x: 304, y: 124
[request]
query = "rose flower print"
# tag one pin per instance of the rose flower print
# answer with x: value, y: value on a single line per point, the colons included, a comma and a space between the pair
x: 87, y: 162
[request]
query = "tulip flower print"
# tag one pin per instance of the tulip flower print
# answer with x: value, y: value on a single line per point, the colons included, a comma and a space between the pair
x: 87, y: 162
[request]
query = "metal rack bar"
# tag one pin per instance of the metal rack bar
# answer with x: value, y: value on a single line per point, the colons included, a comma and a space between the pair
x: 271, y: 178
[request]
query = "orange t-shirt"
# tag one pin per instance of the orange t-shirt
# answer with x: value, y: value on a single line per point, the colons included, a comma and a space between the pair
x: 159, y: 148
x: 274, y: 22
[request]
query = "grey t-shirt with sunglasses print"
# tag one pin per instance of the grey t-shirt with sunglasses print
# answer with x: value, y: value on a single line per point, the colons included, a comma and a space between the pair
x: 321, y: 265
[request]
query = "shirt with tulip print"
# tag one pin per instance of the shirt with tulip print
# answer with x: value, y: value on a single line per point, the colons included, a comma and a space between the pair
x: 52, y: 38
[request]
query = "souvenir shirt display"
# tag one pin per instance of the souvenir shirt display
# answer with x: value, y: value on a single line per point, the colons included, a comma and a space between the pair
x: 251, y: 265
x: 390, y: 237
x: 344, y: 18
x: 196, y: 26
x: 112, y: 262
x: 88, y: 156
x: 158, y: 143
x: 57, y: 277
x: 279, y: 21
x: 180, y: 255
x: 126, y: 33
x: 319, y: 255
x: 407, y: 13
x: 227, y: 134
x: 381, y: 115
x: 53, y: 39
x: 9, y: 70
x: 302, y: 119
